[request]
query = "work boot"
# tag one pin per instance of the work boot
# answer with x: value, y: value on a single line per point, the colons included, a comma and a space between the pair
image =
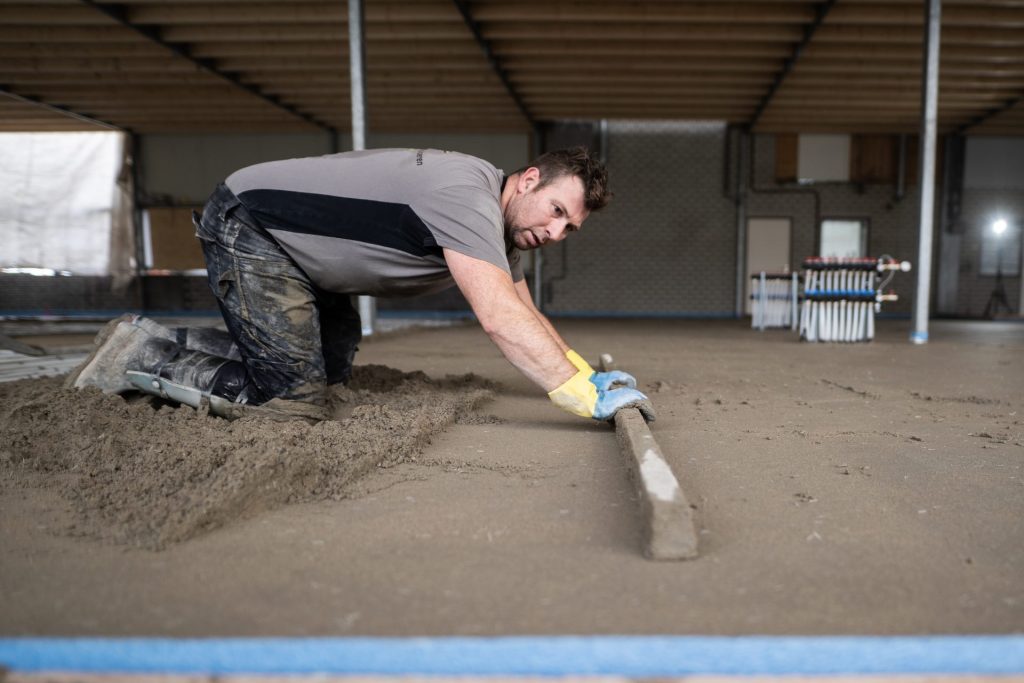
x: 125, y: 343
x: 154, y: 328
x: 194, y: 369
x: 211, y: 340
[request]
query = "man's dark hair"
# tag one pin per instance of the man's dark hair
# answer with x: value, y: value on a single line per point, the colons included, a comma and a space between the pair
x: 575, y: 161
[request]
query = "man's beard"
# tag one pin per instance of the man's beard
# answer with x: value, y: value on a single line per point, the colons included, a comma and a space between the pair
x: 524, y: 242
x: 514, y: 226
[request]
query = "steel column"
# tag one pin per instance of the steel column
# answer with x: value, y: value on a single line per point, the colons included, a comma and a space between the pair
x: 929, y: 117
x: 357, y: 80
x: 745, y: 137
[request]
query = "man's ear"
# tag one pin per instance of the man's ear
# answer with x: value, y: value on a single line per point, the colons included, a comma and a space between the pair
x: 528, y: 180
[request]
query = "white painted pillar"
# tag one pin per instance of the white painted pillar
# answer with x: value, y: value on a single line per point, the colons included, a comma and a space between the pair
x: 929, y: 124
x: 357, y: 84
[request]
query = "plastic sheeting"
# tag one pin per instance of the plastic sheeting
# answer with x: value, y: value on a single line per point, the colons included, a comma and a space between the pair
x: 57, y: 196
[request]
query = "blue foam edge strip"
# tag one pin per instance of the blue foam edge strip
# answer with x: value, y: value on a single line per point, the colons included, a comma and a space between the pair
x: 525, y: 656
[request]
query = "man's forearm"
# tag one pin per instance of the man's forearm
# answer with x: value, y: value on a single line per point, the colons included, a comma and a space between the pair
x: 509, y: 322
x: 529, y: 343
x: 551, y: 330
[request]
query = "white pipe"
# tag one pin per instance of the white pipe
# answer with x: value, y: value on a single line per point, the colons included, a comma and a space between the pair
x: 794, y: 296
x: 762, y: 300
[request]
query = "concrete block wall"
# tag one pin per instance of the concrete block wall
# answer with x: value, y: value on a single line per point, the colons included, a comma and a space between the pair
x: 666, y: 245
x: 892, y: 223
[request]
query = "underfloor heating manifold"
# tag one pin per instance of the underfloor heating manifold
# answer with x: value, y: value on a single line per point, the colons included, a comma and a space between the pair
x: 773, y: 300
x: 842, y: 295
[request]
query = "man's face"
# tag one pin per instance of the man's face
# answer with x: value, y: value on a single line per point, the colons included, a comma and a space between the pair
x: 535, y: 216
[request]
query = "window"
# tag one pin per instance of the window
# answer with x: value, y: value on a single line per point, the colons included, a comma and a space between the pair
x: 823, y: 158
x: 846, y: 238
x: 57, y: 193
x: 1000, y: 249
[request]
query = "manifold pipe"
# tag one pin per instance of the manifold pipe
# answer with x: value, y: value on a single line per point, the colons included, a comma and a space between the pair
x: 794, y: 293
x: 763, y: 299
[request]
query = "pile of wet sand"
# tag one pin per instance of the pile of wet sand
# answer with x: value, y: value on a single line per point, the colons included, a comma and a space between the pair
x: 147, y: 474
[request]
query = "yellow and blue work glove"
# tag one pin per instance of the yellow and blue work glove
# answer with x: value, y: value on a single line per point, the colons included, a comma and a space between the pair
x: 599, y: 394
x: 602, y: 380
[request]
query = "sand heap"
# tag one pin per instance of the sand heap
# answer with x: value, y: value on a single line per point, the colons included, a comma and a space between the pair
x: 148, y: 474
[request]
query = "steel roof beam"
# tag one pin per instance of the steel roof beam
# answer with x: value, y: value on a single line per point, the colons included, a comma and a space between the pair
x: 982, y: 118
x: 64, y: 111
x: 821, y: 11
x: 119, y: 13
x: 492, y: 59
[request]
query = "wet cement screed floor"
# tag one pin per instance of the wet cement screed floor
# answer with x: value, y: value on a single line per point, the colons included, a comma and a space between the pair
x: 839, y: 489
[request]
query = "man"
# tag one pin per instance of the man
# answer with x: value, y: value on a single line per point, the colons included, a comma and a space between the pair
x: 288, y: 242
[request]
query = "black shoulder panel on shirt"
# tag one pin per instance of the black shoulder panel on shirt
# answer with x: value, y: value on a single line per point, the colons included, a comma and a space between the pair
x: 385, y: 224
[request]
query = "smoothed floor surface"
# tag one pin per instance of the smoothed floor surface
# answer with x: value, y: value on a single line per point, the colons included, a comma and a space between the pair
x: 839, y: 489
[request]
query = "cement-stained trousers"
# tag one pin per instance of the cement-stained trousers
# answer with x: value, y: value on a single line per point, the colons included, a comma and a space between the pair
x: 293, y: 338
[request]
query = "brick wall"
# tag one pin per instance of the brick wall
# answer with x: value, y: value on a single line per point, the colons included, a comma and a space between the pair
x: 667, y: 243
x: 892, y: 223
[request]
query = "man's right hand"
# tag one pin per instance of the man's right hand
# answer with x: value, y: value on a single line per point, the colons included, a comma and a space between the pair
x: 614, y: 379
x: 581, y: 396
x: 604, y: 381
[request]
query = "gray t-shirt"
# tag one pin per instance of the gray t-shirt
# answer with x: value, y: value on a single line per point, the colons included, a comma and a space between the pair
x: 374, y: 222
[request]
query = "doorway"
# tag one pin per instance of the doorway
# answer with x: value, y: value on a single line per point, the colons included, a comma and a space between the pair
x: 768, y: 249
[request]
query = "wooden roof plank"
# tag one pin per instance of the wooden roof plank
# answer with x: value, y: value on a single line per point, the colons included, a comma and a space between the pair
x: 990, y: 114
x: 492, y: 58
x: 120, y: 13
x: 78, y: 116
x: 821, y: 13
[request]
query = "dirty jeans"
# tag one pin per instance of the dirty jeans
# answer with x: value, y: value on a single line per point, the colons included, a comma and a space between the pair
x: 294, y: 339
